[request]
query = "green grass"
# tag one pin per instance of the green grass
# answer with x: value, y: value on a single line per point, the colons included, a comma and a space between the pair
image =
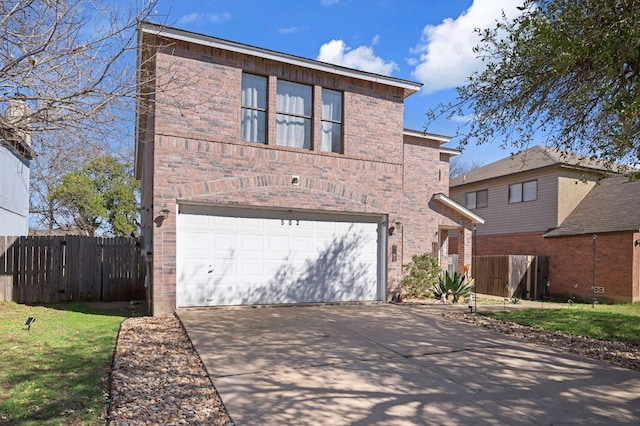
x: 56, y: 373
x: 619, y: 323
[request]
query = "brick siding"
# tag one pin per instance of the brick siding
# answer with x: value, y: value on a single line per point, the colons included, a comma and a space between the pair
x: 198, y: 157
x: 571, y: 262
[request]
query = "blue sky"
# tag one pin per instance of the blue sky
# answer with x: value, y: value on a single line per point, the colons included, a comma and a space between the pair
x: 429, y: 41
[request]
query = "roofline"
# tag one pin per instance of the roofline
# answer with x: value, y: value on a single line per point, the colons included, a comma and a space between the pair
x: 410, y: 87
x: 459, y: 208
x: 450, y: 151
x: 537, y: 169
x: 424, y: 135
x: 550, y: 234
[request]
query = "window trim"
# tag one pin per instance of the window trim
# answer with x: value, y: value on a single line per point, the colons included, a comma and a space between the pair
x: 331, y: 121
x: 475, y: 195
x: 297, y: 115
x: 264, y: 110
x: 276, y: 120
x: 522, y: 192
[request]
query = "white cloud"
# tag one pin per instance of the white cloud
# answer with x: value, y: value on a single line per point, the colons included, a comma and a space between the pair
x: 198, y: 18
x: 291, y: 30
x: 329, y: 2
x: 446, y: 50
x: 189, y: 19
x: 362, y: 58
x: 218, y: 17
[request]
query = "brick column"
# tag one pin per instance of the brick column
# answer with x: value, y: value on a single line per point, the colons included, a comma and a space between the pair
x: 465, y: 242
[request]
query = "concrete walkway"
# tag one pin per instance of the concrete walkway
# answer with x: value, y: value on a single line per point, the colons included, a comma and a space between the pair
x: 397, y: 365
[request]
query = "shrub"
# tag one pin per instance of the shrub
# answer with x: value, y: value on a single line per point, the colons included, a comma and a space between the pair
x: 422, y: 276
x: 454, y: 284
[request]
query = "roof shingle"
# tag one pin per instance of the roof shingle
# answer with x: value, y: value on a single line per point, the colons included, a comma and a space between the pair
x: 613, y: 205
x: 533, y: 158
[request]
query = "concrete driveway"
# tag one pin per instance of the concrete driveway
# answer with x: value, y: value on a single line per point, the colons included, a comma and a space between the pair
x: 397, y: 365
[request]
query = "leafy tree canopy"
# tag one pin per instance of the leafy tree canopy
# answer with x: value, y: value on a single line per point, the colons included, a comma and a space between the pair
x: 101, y: 196
x: 566, y: 71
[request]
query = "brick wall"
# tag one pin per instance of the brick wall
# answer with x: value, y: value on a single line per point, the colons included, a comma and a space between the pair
x: 571, y: 262
x: 198, y: 156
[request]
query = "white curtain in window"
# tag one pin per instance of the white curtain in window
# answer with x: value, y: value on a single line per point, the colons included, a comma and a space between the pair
x: 293, y: 131
x: 331, y: 105
x: 332, y: 118
x: 254, y: 104
x: 293, y: 122
x: 331, y: 137
x: 253, y: 125
x: 254, y: 91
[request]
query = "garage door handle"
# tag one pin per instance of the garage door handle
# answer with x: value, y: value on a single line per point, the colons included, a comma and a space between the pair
x: 210, y: 270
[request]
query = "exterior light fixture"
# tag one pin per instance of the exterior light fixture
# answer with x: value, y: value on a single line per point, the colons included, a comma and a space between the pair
x: 164, y: 213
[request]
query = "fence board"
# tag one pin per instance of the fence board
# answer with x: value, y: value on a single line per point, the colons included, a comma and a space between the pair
x: 54, y: 269
x: 6, y: 267
x: 511, y: 276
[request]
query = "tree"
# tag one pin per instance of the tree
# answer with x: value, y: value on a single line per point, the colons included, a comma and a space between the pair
x: 100, y: 196
x: 458, y: 166
x: 67, y: 84
x: 565, y: 70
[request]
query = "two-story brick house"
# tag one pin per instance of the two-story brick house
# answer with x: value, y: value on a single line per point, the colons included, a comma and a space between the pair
x: 546, y: 202
x: 269, y: 178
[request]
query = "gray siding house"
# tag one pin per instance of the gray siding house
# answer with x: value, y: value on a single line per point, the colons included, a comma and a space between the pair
x: 15, y: 158
x: 579, y: 213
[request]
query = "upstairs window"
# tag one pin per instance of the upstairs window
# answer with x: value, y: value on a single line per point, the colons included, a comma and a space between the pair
x: 476, y: 199
x: 524, y: 191
x: 331, y: 121
x: 254, y: 108
x: 293, y: 119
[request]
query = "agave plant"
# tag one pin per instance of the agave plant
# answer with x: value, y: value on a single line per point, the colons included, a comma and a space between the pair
x: 454, y: 284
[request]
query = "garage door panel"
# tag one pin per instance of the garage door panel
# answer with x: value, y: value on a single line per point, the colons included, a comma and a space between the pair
x: 264, y: 260
x: 251, y: 244
x: 276, y: 244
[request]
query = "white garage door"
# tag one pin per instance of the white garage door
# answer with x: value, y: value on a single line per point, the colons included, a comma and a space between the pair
x: 236, y: 257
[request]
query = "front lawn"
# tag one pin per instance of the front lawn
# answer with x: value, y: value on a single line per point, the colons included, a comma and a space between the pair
x: 619, y: 323
x: 56, y: 373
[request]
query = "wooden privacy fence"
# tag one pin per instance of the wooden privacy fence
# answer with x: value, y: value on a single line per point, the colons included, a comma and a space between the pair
x: 524, y: 277
x: 71, y: 267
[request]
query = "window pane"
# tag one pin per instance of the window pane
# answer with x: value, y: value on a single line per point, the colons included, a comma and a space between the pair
x: 253, y: 125
x: 470, y: 200
x: 515, y: 193
x: 293, y: 131
x: 294, y: 98
x: 331, y: 105
x: 530, y: 190
x: 331, y: 137
x: 254, y: 91
x: 482, y: 198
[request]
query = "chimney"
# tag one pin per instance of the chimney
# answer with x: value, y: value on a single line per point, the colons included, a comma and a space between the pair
x: 19, y: 111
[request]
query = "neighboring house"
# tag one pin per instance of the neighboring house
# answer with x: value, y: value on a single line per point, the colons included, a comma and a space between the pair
x: 546, y: 202
x: 269, y: 178
x: 15, y: 158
